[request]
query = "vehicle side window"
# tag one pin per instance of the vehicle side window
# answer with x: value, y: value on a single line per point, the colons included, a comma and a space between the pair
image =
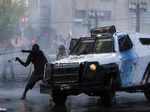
x: 104, y: 46
x: 145, y: 41
x: 125, y: 43
x: 73, y: 43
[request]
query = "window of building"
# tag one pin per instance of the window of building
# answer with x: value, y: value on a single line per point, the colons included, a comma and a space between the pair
x: 101, y: 15
x: 104, y: 15
x: 80, y: 14
x: 145, y: 17
x: 143, y: 11
x: 7, y: 1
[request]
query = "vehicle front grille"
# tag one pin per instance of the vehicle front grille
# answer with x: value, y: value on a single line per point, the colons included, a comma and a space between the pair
x: 65, y: 73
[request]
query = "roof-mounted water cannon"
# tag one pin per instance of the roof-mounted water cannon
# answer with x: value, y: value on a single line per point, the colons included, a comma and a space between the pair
x: 103, y: 31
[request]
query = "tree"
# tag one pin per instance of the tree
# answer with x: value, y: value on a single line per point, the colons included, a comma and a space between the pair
x: 10, y: 14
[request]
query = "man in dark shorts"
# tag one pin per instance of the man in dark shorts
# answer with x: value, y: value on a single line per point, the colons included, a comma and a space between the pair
x: 37, y: 57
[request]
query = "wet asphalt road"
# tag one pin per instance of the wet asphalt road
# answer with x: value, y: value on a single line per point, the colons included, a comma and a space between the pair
x: 10, y: 93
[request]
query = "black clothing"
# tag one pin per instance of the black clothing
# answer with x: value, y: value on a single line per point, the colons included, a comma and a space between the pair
x: 33, y: 79
x: 39, y: 60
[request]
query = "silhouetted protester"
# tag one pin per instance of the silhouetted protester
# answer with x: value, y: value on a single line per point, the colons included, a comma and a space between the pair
x: 61, y: 53
x: 37, y: 57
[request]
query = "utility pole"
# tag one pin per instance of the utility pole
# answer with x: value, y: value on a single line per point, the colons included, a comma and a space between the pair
x: 138, y: 6
x: 96, y: 19
x: 138, y: 17
x: 89, y: 24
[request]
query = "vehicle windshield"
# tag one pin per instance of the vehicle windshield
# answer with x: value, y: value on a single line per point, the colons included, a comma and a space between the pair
x: 93, y: 46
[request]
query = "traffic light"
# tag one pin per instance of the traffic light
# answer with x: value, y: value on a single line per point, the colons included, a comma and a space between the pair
x: 33, y: 41
x: 23, y: 20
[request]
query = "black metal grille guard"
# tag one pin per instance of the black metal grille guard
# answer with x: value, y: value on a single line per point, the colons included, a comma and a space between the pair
x: 50, y: 68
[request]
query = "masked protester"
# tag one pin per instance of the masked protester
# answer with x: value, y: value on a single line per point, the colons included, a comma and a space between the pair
x: 39, y: 60
x: 61, y: 53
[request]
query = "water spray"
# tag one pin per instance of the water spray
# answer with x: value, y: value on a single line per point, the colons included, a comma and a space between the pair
x: 11, y: 52
x: 12, y: 60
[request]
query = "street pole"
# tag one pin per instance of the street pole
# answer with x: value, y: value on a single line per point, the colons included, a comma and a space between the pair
x: 138, y: 6
x: 89, y: 24
x: 96, y: 19
x: 138, y: 17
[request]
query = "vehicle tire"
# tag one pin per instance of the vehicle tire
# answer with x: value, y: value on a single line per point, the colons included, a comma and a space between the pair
x: 109, y: 95
x: 147, y: 94
x: 59, y: 99
x: 107, y: 99
x: 147, y: 82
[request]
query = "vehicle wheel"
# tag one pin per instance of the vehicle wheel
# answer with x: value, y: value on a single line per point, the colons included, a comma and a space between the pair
x: 107, y: 99
x: 147, y: 81
x: 59, y: 99
x: 109, y: 95
x: 147, y: 94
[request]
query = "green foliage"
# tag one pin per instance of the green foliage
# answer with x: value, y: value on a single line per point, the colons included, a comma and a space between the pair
x: 10, y: 15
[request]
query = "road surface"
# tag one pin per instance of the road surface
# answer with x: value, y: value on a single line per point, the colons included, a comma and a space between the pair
x: 10, y: 93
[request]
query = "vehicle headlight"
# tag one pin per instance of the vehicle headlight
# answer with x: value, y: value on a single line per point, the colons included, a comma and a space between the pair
x: 93, y: 67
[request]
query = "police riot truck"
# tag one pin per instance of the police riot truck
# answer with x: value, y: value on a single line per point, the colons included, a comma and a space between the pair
x: 100, y: 65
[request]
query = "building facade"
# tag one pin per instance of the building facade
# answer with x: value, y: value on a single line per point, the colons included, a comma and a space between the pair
x: 75, y: 18
x: 39, y: 20
x: 34, y: 17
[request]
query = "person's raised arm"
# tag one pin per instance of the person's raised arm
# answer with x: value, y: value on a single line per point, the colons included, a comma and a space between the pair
x: 25, y: 64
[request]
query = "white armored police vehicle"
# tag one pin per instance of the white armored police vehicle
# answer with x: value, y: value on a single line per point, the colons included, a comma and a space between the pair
x: 100, y: 65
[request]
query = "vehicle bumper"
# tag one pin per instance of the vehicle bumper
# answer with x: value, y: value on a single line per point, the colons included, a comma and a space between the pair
x: 74, y: 89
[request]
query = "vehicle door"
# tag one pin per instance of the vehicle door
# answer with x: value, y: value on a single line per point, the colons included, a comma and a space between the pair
x: 142, y: 49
